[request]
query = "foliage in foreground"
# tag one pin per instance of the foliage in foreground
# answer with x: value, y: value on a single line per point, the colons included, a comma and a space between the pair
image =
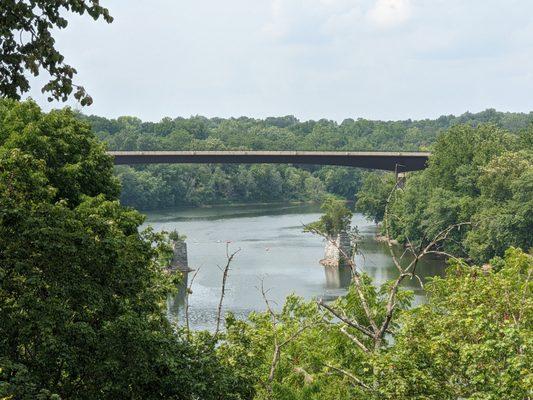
x: 472, y: 340
x: 82, y: 291
x: 82, y: 301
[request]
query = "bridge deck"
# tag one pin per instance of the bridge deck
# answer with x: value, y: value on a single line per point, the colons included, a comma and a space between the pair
x: 389, y: 161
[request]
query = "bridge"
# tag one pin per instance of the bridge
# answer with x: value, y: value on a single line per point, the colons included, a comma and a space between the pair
x: 388, y: 161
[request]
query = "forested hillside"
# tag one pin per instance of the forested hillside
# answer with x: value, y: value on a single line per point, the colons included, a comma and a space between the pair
x: 481, y: 177
x: 156, y: 186
x: 82, y: 289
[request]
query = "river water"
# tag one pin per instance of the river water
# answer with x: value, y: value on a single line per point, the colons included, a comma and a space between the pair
x: 273, y: 250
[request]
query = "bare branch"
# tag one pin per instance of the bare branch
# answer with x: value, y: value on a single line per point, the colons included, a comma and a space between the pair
x: 443, y: 253
x: 443, y: 235
x: 299, y: 332
x: 344, y: 319
x: 356, y: 278
x: 390, y: 307
x: 277, y: 350
x: 349, y: 375
x: 229, y: 259
x: 413, y: 275
x: 275, y: 360
x: 267, y: 302
x: 354, y: 339
x: 189, y: 291
x: 387, y: 229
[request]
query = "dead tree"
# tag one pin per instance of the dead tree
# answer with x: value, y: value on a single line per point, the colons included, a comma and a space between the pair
x: 374, y: 330
x: 225, y: 271
x: 189, y: 291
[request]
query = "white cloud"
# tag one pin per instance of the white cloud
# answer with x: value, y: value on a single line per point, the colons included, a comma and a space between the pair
x: 389, y: 13
x: 310, y: 20
x: 312, y: 58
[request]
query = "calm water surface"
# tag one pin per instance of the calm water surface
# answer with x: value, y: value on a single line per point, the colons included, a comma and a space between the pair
x: 273, y: 249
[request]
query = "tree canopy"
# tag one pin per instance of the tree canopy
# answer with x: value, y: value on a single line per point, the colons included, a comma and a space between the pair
x: 27, y: 45
x: 82, y: 290
x: 480, y: 175
x: 335, y: 220
x: 158, y: 186
x: 470, y: 340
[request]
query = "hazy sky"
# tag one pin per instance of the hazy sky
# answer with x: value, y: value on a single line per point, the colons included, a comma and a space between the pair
x: 379, y: 59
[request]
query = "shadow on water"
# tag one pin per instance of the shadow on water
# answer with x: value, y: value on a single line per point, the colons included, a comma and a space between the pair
x: 214, y: 213
x: 176, y: 302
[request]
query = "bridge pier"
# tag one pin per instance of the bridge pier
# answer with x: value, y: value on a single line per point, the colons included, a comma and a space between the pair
x: 400, y: 180
x: 179, y: 262
x: 338, y: 277
x: 337, y: 251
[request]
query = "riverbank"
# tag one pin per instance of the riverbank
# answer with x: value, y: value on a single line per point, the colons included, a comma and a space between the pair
x: 230, y: 204
x: 237, y: 204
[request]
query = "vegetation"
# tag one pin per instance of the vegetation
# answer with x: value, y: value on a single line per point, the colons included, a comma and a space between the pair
x: 159, y: 186
x: 27, y: 45
x: 82, y: 292
x: 481, y: 175
x: 162, y: 186
x: 336, y: 219
x: 471, y: 340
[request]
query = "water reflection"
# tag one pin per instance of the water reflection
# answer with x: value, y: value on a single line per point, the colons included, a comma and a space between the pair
x: 176, y: 303
x: 275, y: 250
x: 337, y: 280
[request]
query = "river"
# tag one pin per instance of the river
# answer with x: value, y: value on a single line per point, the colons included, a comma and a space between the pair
x: 275, y: 250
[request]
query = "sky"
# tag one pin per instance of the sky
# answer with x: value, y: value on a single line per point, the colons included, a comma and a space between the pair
x: 334, y: 59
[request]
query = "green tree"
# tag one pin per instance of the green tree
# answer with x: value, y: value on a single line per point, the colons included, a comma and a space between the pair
x: 287, y: 133
x: 478, y: 175
x: 75, y: 163
x: 82, y: 290
x: 372, y: 197
x: 505, y: 213
x: 336, y: 218
x: 472, y: 339
x: 27, y: 45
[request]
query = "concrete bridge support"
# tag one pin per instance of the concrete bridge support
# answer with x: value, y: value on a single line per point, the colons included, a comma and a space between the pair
x: 338, y: 249
x: 179, y: 262
x: 400, y: 180
x: 336, y: 263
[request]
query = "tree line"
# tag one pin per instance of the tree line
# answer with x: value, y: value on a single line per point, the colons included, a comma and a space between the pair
x: 82, y: 289
x: 156, y: 186
x: 481, y: 175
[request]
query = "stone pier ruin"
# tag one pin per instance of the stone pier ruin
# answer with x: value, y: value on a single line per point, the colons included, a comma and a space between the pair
x: 337, y: 250
x: 179, y: 261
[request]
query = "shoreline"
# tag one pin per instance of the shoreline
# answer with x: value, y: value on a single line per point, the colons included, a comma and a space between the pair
x: 214, y: 205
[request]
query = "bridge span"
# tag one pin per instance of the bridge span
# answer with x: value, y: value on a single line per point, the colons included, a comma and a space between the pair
x: 388, y: 161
